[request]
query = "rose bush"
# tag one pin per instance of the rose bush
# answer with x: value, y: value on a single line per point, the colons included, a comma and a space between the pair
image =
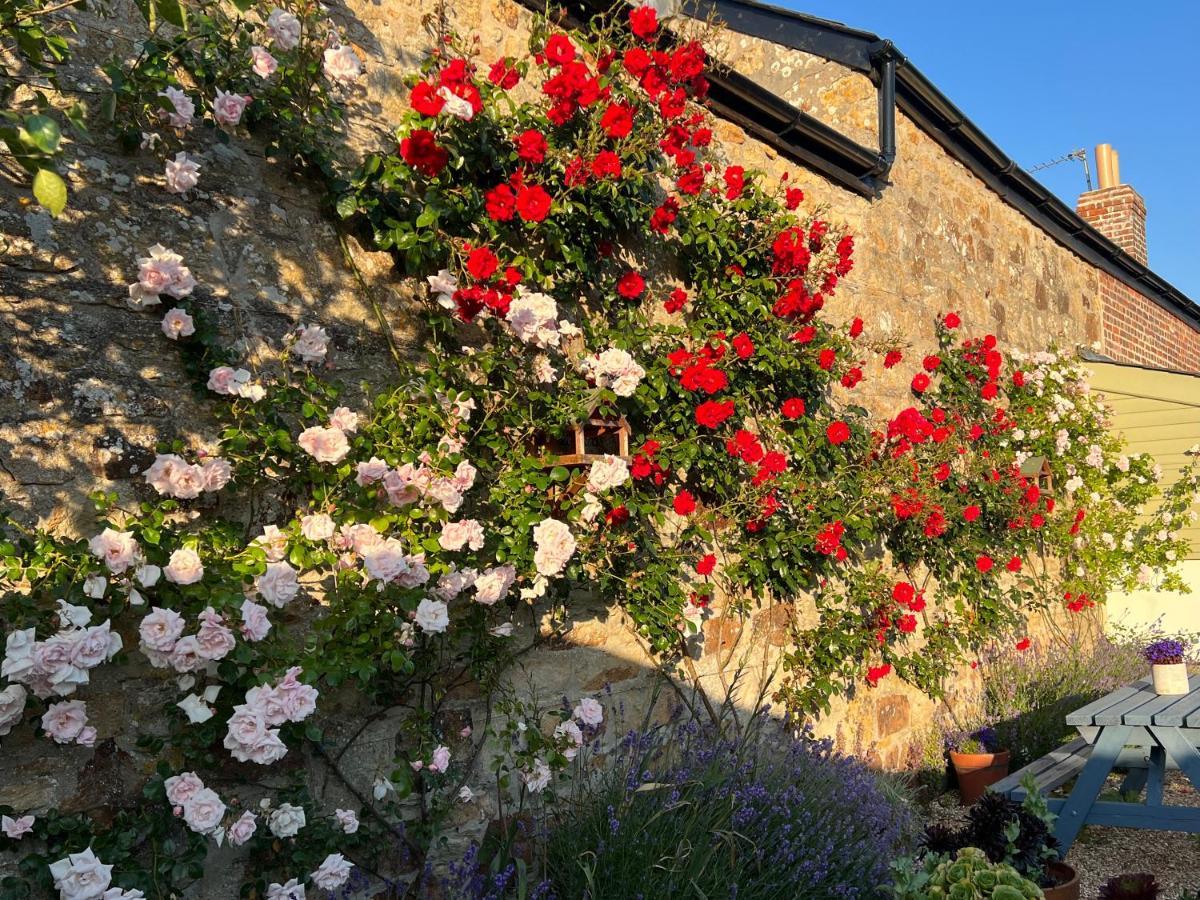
x: 588, y: 256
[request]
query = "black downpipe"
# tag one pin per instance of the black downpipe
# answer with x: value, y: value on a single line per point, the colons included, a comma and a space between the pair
x: 884, y: 59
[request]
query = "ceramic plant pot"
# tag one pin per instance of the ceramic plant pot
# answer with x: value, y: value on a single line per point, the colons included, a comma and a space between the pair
x: 1066, y: 886
x: 975, y: 771
x: 1170, y: 678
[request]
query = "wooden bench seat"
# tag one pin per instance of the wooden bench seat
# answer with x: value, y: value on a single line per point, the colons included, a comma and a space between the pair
x: 1052, y: 771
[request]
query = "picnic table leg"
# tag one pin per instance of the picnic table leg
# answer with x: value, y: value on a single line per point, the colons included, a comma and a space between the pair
x: 1074, y: 812
x: 1185, y: 755
x: 1136, y: 780
x: 1156, y: 773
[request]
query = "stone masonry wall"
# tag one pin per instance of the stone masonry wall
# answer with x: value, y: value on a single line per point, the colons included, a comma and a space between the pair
x: 86, y: 388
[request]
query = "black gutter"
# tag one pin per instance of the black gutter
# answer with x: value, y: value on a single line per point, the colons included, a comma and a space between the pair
x: 935, y: 114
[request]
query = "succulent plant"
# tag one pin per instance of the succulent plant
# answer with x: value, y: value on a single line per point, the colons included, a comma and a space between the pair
x: 1139, y: 886
x: 969, y: 875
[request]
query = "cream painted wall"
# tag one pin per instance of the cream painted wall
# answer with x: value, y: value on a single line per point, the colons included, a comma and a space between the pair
x: 1179, y: 612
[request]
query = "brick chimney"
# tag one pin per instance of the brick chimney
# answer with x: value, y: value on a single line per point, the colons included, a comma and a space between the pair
x: 1116, y: 210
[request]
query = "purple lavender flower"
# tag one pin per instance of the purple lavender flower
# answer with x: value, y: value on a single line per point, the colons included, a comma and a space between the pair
x: 1164, y: 652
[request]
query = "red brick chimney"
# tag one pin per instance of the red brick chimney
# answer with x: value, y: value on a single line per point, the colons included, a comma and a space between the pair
x: 1116, y: 210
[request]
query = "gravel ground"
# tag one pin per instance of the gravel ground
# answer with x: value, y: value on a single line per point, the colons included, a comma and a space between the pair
x: 1100, y: 853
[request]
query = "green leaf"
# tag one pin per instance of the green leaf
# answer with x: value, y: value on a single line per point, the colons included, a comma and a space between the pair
x: 173, y: 12
x: 50, y: 191
x: 44, y: 133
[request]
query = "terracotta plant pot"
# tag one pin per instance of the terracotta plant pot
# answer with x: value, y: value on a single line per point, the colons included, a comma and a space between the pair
x: 975, y: 771
x: 1170, y: 679
x: 1066, y: 886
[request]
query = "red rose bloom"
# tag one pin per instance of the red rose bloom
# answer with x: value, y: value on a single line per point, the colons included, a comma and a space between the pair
x: 838, y: 433
x: 907, y: 623
x: 1014, y: 564
x: 826, y: 357
x: 691, y: 182
x: 735, y: 182
x: 1023, y: 644
x: 707, y: 563
x: 952, y: 320
x: 631, y: 285
x: 504, y: 75
x: 877, y: 672
x: 971, y: 513
x: 852, y: 377
x: 533, y: 203
x: 684, y: 503
x: 903, y: 593
x: 421, y: 151
x: 931, y: 363
x: 482, y: 264
x: 892, y: 358
x: 856, y: 327
x: 617, y: 120
x: 793, y: 408
x: 643, y: 21
x: 920, y: 383
x: 531, y: 146
x: 501, y: 203
x: 984, y: 564
x: 743, y: 346
x: 606, y: 165
x: 425, y: 100
x: 559, y: 50
x: 989, y: 391
x: 793, y: 197
x: 712, y: 413
x: 618, y: 515
x: 676, y: 301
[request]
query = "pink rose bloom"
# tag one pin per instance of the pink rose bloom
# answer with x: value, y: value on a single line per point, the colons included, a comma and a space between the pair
x: 177, y: 323
x: 299, y: 700
x: 327, y: 445
x: 555, y: 546
x: 284, y: 29
x: 214, y: 639
x: 404, y: 485
x: 292, y: 890
x: 333, y: 872
x: 589, y: 712
x: 53, y: 670
x: 185, y: 655
x: 15, y: 829
x: 464, y: 476
x: 440, y: 761
x: 161, y: 629
x: 94, y: 645
x: 173, y: 476
x: 243, y: 829
x: 456, y: 535
x: 453, y: 583
x: 228, y: 108
x: 182, y: 173
x: 216, y: 473
x: 81, y: 876
x: 444, y: 491
x: 371, y: 471
x: 317, y: 527
x: 312, y: 343
x: 87, y: 737
x: 12, y: 707
x: 203, y: 811
x: 184, y: 108
x: 117, y: 549
x: 571, y: 731
x: 433, y: 616
x: 163, y: 272
x: 341, y: 65
x: 255, y: 623
x: 184, y: 567
x: 231, y: 382
x: 493, y: 584
x: 65, y: 721
x: 273, y: 541
x: 265, y: 701
x: 182, y: 787
x: 361, y: 537
x: 262, y: 63
x: 348, y: 819
x: 278, y: 585
x: 344, y: 419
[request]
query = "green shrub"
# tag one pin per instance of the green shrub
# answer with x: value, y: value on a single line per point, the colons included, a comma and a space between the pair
x: 968, y: 876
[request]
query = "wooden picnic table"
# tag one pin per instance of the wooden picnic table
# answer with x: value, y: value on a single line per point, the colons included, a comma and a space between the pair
x: 1133, y: 728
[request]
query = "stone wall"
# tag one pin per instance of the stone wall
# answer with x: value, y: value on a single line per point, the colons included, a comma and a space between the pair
x: 86, y: 389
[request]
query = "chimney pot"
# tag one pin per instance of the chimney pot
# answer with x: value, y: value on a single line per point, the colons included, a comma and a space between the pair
x: 1116, y: 210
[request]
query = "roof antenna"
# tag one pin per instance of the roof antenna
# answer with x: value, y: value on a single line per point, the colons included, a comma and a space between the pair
x: 1079, y: 154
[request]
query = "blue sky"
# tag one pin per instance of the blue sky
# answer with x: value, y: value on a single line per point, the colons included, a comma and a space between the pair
x: 1045, y: 78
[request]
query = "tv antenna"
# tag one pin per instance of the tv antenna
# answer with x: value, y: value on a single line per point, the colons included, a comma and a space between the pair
x: 1080, y: 155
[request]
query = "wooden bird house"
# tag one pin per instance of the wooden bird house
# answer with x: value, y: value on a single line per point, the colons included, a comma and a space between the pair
x: 1037, y: 470
x: 593, y: 439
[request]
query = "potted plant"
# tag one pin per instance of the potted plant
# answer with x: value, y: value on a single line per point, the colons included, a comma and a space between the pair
x: 1140, y: 886
x: 969, y: 873
x: 1167, y: 667
x: 1017, y: 834
x: 978, y: 762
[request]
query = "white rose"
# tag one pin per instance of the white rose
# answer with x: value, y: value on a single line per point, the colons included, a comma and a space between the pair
x: 432, y: 616
x: 279, y: 584
x: 81, y: 876
x: 286, y: 821
x: 185, y: 567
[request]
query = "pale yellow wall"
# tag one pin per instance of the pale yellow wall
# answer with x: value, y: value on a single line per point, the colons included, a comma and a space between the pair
x: 1179, y: 612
